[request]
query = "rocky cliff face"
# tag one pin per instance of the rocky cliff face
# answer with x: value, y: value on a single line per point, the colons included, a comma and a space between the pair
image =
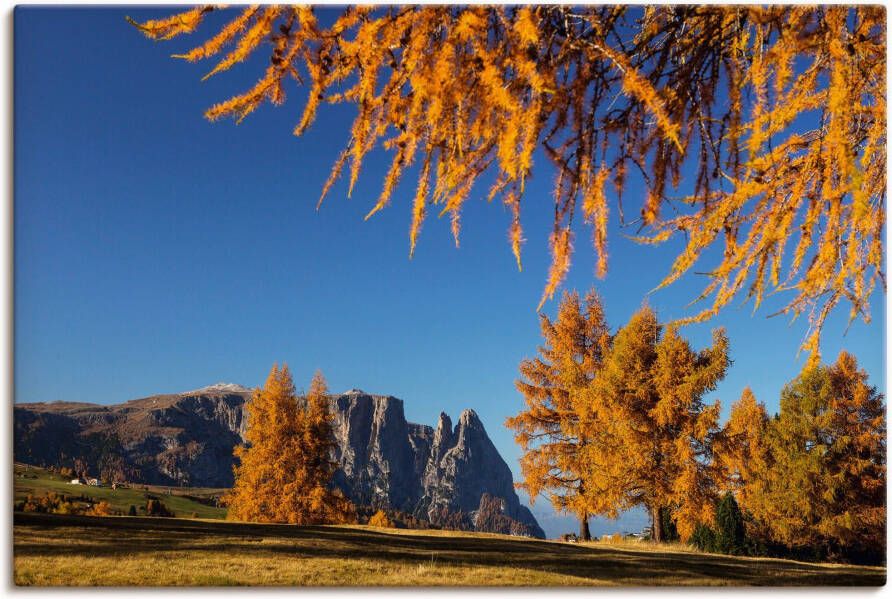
x: 166, y: 439
x: 427, y: 472
x: 442, y: 475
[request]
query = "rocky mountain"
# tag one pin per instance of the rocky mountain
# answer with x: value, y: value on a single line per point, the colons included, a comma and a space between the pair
x: 442, y: 475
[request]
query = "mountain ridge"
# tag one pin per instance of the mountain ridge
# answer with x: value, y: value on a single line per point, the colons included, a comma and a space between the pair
x: 442, y: 474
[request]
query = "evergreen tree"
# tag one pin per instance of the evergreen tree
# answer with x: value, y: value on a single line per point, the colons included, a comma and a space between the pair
x: 553, y: 385
x: 730, y: 536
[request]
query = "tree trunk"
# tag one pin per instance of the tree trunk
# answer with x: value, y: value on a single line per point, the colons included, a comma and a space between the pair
x: 656, y: 515
x: 584, y: 534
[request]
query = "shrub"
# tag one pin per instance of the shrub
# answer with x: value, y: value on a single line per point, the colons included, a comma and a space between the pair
x: 703, y: 538
x: 29, y: 505
x: 615, y: 538
x: 380, y: 519
x: 65, y: 507
x: 48, y: 504
x: 101, y: 509
x: 154, y: 507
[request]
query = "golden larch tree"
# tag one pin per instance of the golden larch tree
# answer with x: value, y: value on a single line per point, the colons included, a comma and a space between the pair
x: 553, y: 385
x: 319, y: 445
x: 650, y: 393
x: 284, y: 469
x: 759, y: 130
x: 741, y: 452
x: 265, y: 463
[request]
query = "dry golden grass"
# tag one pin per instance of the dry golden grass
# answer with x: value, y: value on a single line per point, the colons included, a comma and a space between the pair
x: 75, y: 550
x: 639, y: 545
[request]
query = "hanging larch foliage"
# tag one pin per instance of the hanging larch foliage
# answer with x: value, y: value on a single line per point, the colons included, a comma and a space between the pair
x: 553, y: 386
x: 777, y: 112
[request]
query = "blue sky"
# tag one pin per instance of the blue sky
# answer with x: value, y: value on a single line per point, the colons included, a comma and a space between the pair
x: 156, y: 252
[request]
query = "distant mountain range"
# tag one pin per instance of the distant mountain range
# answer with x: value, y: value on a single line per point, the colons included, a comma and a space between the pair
x: 447, y: 475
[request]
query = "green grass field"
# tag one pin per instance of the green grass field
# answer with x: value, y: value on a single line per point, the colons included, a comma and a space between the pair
x: 31, y: 480
x: 82, y: 550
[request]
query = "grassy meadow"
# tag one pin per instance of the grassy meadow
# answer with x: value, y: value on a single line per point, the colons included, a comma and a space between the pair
x: 54, y: 550
x: 37, y: 482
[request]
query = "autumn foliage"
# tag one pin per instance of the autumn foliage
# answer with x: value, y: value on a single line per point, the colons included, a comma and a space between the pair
x: 615, y: 421
x: 778, y: 113
x: 285, y: 467
x: 381, y: 520
x: 51, y: 503
x: 741, y: 451
x: 658, y: 431
x: 819, y: 482
x: 553, y: 385
x: 103, y: 508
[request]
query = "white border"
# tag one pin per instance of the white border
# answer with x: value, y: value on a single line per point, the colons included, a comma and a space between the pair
x: 6, y: 383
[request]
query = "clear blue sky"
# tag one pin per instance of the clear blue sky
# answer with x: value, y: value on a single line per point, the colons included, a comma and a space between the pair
x: 156, y: 252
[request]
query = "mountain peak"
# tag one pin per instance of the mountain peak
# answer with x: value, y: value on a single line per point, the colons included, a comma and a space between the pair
x: 218, y: 388
x: 469, y: 417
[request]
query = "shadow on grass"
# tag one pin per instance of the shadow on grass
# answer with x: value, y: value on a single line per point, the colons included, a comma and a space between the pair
x: 95, y: 536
